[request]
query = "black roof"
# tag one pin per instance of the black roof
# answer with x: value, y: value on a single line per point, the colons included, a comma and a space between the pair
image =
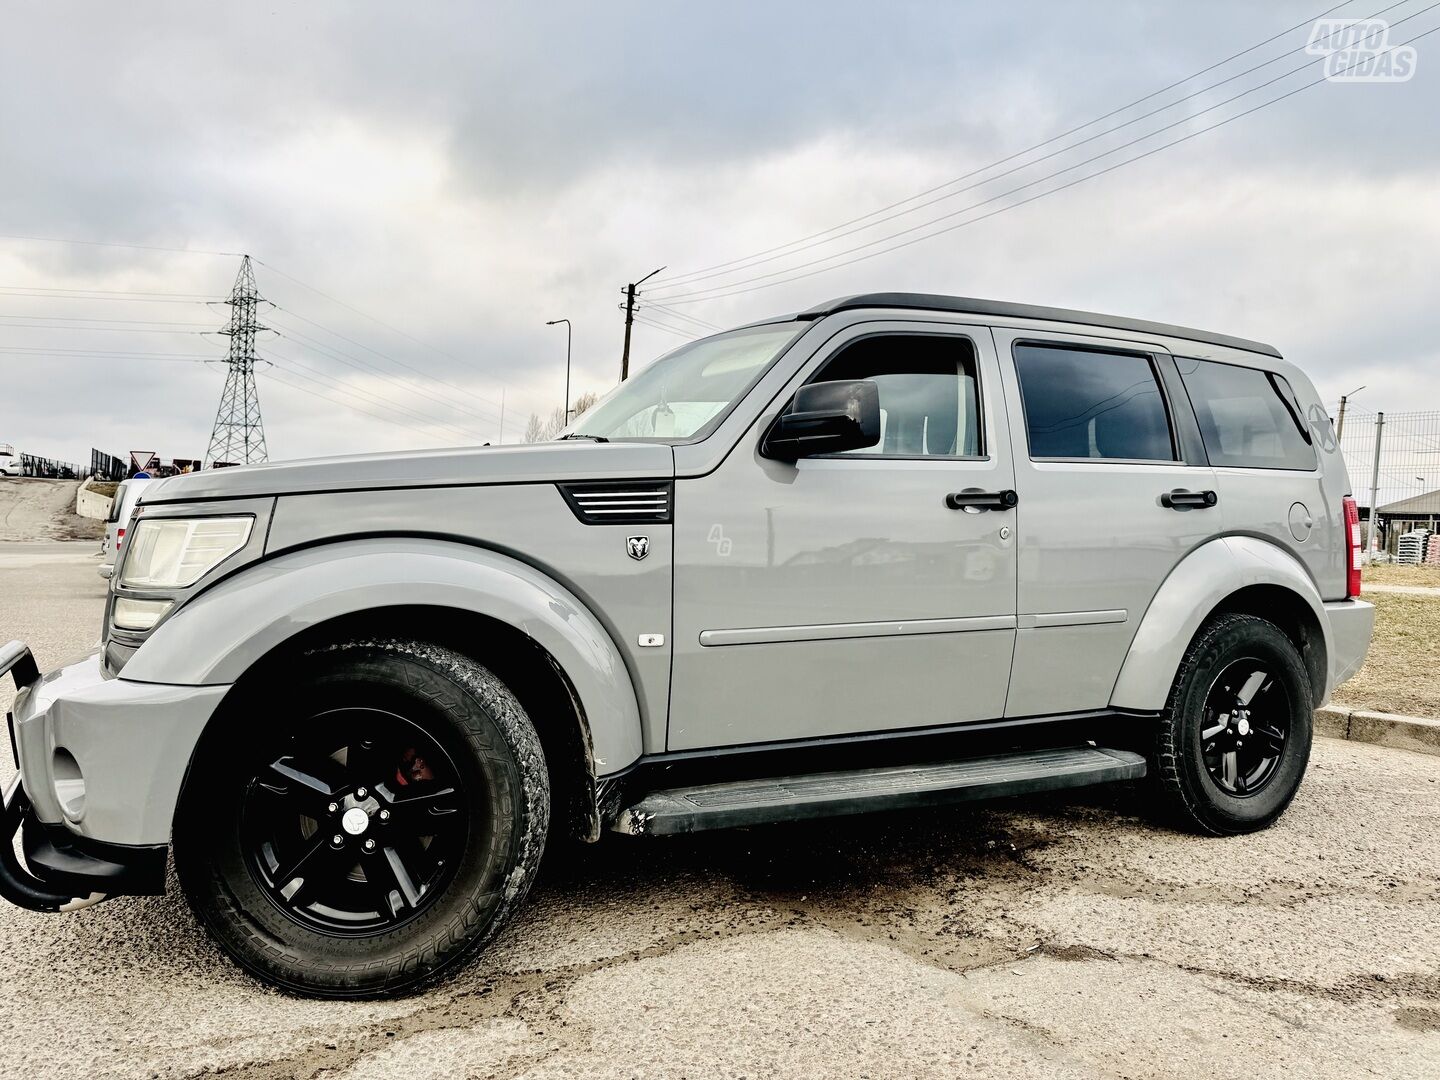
x: 1002, y: 309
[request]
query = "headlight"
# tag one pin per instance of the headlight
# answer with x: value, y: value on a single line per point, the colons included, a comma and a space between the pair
x: 173, y: 553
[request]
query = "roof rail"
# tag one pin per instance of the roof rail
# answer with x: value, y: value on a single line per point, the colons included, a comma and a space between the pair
x: 1004, y: 310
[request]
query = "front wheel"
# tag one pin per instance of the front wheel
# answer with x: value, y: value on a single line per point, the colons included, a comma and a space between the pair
x: 377, y: 832
x: 1234, y: 739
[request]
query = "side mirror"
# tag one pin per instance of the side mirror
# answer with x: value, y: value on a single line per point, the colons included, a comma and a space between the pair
x: 826, y: 418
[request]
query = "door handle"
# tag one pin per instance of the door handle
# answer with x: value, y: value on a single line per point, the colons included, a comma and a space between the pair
x: 1180, y: 499
x: 975, y: 499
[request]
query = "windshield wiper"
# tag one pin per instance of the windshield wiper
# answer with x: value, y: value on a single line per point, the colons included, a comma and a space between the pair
x: 579, y: 435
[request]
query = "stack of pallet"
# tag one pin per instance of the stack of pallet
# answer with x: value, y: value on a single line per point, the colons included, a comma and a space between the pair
x: 1432, y: 550
x: 1411, y: 548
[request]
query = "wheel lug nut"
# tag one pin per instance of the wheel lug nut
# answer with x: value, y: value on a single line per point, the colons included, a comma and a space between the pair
x: 384, y: 815
x: 360, y: 793
x: 369, y: 845
x: 337, y: 839
x: 333, y: 807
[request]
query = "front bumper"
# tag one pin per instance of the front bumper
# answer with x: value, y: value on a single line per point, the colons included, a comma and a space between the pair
x: 101, y: 761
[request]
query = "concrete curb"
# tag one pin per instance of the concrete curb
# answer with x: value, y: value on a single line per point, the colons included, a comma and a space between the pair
x: 1382, y: 729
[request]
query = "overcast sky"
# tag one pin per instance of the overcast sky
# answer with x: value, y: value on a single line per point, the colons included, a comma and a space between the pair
x: 464, y: 172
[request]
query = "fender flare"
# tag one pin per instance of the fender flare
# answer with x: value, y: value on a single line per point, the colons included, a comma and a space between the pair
x: 1196, y: 587
x: 215, y: 638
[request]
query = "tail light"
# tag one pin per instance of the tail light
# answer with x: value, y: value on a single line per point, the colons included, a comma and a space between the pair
x: 1352, y: 546
x: 120, y: 534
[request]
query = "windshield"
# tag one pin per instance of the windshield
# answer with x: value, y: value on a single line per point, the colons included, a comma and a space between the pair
x: 683, y: 391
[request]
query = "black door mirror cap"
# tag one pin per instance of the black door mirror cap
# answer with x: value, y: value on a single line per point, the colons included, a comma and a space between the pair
x: 826, y: 418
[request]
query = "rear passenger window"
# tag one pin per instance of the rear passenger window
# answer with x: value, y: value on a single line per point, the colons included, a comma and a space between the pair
x: 1249, y: 418
x: 929, y: 404
x: 1089, y: 403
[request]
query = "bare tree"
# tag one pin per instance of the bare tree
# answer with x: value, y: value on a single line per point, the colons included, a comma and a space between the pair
x: 538, y: 430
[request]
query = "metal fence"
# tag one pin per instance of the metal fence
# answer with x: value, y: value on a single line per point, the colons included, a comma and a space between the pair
x: 1394, y: 465
x: 106, y: 466
x: 48, y: 468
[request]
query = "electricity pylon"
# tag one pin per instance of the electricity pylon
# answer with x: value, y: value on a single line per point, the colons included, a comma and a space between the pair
x: 238, y: 437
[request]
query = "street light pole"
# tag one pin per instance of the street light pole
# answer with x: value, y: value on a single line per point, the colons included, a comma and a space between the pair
x: 555, y: 322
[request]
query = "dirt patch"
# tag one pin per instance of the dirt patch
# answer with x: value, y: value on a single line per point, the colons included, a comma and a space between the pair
x: 1418, y: 1019
x: 1402, y: 670
x: 33, y: 509
x: 1391, y: 574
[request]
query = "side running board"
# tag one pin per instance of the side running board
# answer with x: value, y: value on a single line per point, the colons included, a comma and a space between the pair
x: 792, y: 798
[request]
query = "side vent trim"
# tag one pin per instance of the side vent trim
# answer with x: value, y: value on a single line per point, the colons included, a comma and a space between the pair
x: 620, y: 502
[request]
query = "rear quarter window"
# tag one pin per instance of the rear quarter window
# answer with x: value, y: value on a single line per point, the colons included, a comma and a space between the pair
x: 1249, y: 418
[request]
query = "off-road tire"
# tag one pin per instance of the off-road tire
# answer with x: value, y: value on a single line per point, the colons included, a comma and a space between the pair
x: 1186, y: 792
x: 464, y: 707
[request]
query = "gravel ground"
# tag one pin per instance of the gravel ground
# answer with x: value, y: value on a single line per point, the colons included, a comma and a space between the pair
x: 1058, y: 937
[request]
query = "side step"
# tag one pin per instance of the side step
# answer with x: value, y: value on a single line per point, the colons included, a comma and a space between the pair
x: 791, y: 798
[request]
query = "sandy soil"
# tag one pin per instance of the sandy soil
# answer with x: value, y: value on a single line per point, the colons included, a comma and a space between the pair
x: 43, y: 510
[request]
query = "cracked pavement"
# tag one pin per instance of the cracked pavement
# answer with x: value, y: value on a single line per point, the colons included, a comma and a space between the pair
x: 1064, y: 936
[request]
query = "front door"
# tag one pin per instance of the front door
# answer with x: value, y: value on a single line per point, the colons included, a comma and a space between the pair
x: 841, y: 594
x: 1112, y: 481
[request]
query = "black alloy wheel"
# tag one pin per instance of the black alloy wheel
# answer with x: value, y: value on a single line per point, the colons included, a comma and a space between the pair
x: 358, y: 825
x: 369, y: 824
x: 1245, y: 725
x: 1234, y: 737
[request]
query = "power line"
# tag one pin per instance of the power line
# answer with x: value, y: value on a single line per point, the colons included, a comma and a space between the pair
x: 81, y: 319
x: 320, y: 378
x: 489, y: 402
x: 51, y: 354
x: 669, y: 330
x: 102, y: 352
x: 683, y: 316
x: 1046, y: 157
x: 336, y: 401
x: 692, y: 275
x: 366, y: 315
x: 350, y: 360
x: 687, y: 331
x: 119, y: 244
x: 733, y: 288
x: 85, y: 294
x: 100, y: 329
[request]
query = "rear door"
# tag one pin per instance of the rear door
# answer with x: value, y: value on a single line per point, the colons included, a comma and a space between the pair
x: 1260, y: 439
x: 1113, y: 485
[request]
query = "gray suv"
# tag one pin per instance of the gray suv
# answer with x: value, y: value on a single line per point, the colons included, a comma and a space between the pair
x: 894, y: 551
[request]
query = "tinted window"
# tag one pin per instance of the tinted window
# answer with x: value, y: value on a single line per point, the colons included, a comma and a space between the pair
x: 1248, y: 418
x: 928, y: 398
x: 1084, y: 403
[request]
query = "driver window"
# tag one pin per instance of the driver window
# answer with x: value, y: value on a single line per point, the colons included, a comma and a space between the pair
x: 929, y: 403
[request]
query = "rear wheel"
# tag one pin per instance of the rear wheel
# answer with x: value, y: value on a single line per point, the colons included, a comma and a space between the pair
x: 1235, y: 736
x: 380, y: 831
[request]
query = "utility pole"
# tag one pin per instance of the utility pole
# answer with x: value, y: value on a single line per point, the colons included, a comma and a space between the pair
x: 1340, y: 418
x: 238, y: 437
x: 630, y: 319
x: 1374, y: 485
x: 556, y: 322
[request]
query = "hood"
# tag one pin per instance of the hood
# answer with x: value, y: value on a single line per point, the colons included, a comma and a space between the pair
x: 521, y: 464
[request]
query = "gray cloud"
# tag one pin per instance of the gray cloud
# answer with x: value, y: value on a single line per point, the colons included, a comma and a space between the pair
x: 466, y: 173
